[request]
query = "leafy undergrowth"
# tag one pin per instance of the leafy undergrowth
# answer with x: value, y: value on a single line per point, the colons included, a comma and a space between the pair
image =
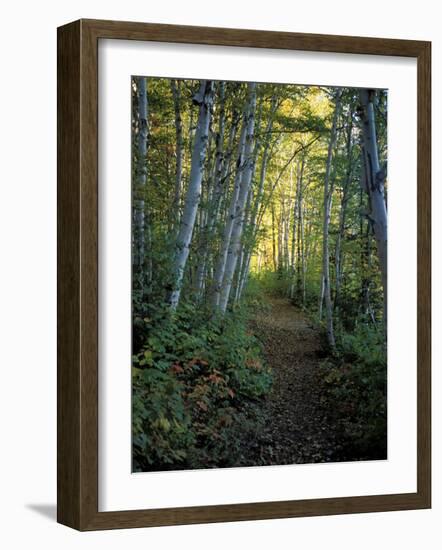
x: 197, y: 384
x: 203, y: 398
x: 356, y: 393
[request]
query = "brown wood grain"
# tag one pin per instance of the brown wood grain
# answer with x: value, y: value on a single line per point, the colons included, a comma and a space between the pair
x: 424, y: 274
x: 77, y: 225
x: 68, y: 276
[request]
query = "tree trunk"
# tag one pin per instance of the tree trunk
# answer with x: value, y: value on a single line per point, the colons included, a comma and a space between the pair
x: 246, y: 179
x: 303, y: 258
x: 300, y: 238
x: 175, y: 86
x: 204, y: 99
x: 215, y: 199
x: 343, y: 209
x: 296, y: 235
x: 274, y: 258
x: 228, y: 228
x: 374, y: 184
x: 258, y: 200
x: 246, y: 247
x: 141, y: 175
x: 326, y: 223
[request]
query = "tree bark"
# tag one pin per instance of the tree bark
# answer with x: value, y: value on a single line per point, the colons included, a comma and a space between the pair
x: 245, y: 267
x: 176, y: 93
x: 204, y: 99
x: 374, y: 184
x: 300, y: 236
x: 326, y: 290
x: 246, y: 179
x: 343, y: 209
x: 215, y: 199
x: 228, y: 228
x: 141, y: 174
x: 274, y: 257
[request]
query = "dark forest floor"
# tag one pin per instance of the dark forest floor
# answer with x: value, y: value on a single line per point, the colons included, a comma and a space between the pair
x: 294, y: 427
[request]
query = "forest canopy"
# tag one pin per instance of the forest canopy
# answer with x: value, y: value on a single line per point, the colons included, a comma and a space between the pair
x: 243, y: 192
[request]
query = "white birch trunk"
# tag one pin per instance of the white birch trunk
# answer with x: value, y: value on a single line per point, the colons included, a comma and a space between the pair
x: 247, y: 245
x: 246, y: 179
x: 326, y: 290
x: 221, y: 263
x: 300, y: 235
x: 257, y: 203
x: 204, y: 99
x: 141, y: 174
x: 343, y: 210
x: 293, y: 244
x: 303, y: 259
x: 374, y: 185
x: 295, y: 225
x: 214, y: 203
x: 175, y: 86
x: 321, y: 298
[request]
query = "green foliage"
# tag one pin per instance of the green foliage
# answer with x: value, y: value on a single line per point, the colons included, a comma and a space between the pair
x: 272, y: 283
x: 195, y: 381
x: 356, y: 382
x: 198, y: 378
x: 365, y: 345
x: 255, y: 300
x: 160, y: 423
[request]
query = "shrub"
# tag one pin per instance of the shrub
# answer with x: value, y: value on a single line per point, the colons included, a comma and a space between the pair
x: 160, y: 422
x: 356, y: 382
x: 194, y: 379
x: 272, y: 283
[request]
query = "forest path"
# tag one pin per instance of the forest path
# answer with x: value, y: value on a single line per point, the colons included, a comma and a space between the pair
x: 295, y: 429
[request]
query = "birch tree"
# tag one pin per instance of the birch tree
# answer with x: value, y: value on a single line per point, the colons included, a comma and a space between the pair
x: 246, y: 179
x: 215, y: 199
x: 216, y: 225
x: 245, y: 265
x: 141, y: 174
x: 300, y: 262
x: 326, y: 290
x: 343, y: 207
x: 296, y: 230
x: 176, y: 87
x: 227, y: 233
x: 374, y: 183
x: 204, y: 99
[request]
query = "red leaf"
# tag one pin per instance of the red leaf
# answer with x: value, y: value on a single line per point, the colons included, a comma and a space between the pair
x: 177, y: 369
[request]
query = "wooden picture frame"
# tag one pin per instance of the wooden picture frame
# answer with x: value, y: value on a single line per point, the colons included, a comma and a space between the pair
x: 78, y: 274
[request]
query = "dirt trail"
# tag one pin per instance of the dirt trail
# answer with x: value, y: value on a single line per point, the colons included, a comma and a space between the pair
x: 296, y: 429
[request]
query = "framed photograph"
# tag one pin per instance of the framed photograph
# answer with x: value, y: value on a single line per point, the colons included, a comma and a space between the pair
x: 241, y: 215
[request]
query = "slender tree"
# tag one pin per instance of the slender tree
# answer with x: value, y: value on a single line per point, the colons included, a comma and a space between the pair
x: 204, y: 99
x: 253, y: 219
x: 176, y: 93
x: 141, y: 174
x: 228, y: 228
x: 374, y: 183
x: 246, y: 179
x: 300, y: 232
x: 343, y: 206
x: 215, y: 198
x: 326, y: 290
